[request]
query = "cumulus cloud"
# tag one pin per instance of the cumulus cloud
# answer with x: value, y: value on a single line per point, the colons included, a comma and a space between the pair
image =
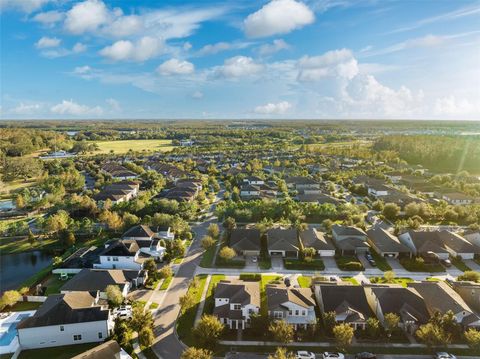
x: 239, y: 66
x: 114, y: 104
x: 451, y: 106
x: 273, y: 108
x: 26, y: 109
x: 79, y: 47
x: 47, y: 42
x: 276, y: 46
x: 335, y: 63
x: 86, y: 16
x: 212, y: 49
x: 26, y: 6
x: 49, y: 18
x: 278, y: 17
x: 74, y: 109
x: 125, y: 50
x: 176, y: 67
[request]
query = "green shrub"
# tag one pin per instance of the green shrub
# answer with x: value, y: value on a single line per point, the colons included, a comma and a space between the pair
x: 252, y: 277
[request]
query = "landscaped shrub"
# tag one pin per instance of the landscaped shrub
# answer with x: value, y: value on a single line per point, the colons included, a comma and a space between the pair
x: 253, y: 277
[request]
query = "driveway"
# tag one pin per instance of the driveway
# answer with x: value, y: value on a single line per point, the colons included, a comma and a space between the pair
x: 277, y: 262
x: 395, y: 264
x: 166, y: 344
x: 249, y: 264
x: 472, y: 264
x: 330, y: 264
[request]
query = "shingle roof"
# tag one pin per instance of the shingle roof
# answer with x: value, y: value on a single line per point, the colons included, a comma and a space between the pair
x: 98, y: 279
x: 279, y: 294
x: 348, y: 230
x: 245, y: 239
x: 239, y: 292
x: 121, y: 248
x: 107, y: 350
x: 282, y: 239
x: 316, y: 239
x: 385, y: 241
x: 339, y: 298
x: 70, y: 308
x: 139, y: 231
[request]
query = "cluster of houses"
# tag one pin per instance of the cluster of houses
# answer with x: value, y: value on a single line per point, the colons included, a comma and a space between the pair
x: 118, y: 172
x: 184, y: 190
x: 349, y: 240
x: 118, y: 192
x: 236, y: 301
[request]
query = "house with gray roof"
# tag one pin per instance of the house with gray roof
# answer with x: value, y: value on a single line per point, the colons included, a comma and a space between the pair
x: 470, y: 293
x: 296, y: 306
x: 245, y: 241
x: 385, y: 243
x: 283, y: 242
x: 440, y: 297
x: 235, y: 302
x: 66, y: 319
x: 108, y: 350
x: 312, y: 238
x: 349, y: 240
x: 348, y: 302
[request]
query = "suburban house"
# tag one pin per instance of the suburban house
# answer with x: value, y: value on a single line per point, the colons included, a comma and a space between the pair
x: 473, y: 237
x: 407, y: 303
x: 348, y: 302
x: 145, y: 233
x: 349, y: 240
x: 385, y: 243
x: 319, y: 198
x: 255, y: 191
x: 118, y: 192
x: 440, y: 297
x: 66, y: 319
x: 283, y: 242
x: 311, y: 238
x: 296, y: 306
x: 253, y: 180
x: 93, y: 280
x: 457, y: 198
x: 189, y: 183
x: 245, y: 241
x: 470, y: 293
x: 377, y: 190
x: 304, y: 185
x: 235, y: 302
x: 442, y: 243
x: 118, y: 172
x: 108, y: 350
x: 171, y: 172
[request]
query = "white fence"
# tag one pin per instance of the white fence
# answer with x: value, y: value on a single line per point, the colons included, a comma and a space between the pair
x: 36, y: 298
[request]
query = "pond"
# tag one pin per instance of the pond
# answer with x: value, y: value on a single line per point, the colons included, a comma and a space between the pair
x: 6, y: 204
x: 15, y: 268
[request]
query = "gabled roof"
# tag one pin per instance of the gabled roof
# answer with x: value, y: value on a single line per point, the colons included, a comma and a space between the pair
x: 139, y: 231
x: 385, y: 241
x: 277, y: 295
x: 282, y: 239
x: 92, y: 280
x: 70, y: 308
x: 108, y: 350
x: 315, y: 239
x: 239, y: 292
x: 348, y: 231
x: 245, y: 239
x: 120, y: 248
x: 300, y: 180
x: 438, y: 241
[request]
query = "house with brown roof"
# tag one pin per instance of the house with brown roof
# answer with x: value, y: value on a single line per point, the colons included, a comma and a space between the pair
x: 118, y: 192
x: 470, y: 293
x: 296, y: 306
x: 312, y: 238
x: 66, y: 319
x: 440, y: 297
x: 118, y: 172
x: 350, y: 240
x: 108, y: 350
x: 235, y: 302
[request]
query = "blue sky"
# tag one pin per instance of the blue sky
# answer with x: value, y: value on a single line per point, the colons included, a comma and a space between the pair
x: 309, y: 59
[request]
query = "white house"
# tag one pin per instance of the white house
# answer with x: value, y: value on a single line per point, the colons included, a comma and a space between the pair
x: 120, y: 255
x: 66, y: 319
x: 235, y: 302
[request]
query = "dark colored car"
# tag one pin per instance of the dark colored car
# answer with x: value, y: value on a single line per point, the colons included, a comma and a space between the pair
x: 365, y: 355
x: 287, y: 282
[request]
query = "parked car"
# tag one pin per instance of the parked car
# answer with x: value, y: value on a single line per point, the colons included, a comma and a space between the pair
x: 287, y: 281
x: 446, y: 262
x: 124, y: 312
x: 254, y: 259
x: 332, y: 355
x: 370, y: 259
x: 365, y: 355
x: 303, y: 354
x: 444, y: 355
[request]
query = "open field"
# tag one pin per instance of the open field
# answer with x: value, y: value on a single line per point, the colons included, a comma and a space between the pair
x: 123, y: 146
x: 7, y: 187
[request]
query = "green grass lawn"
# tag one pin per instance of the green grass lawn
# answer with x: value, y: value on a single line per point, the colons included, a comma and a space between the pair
x: 9, y: 245
x: 413, y: 265
x: 207, y: 257
x: 402, y: 281
x: 186, y: 320
x: 381, y: 262
x: 64, y: 352
x: 17, y: 185
x: 299, y: 264
x: 153, y: 305
x: 53, y: 284
x: 23, y: 306
x: 166, y: 283
x: 460, y: 264
x: 209, y: 299
x: 123, y: 146
x: 349, y: 263
x: 350, y: 279
x: 304, y: 281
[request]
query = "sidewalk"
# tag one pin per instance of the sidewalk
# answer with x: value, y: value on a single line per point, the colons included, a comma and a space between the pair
x: 198, y: 316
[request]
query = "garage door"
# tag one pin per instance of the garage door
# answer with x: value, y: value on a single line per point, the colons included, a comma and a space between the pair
x: 274, y: 253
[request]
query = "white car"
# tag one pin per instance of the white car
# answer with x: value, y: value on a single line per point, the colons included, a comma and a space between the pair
x: 124, y: 312
x: 443, y: 355
x: 332, y: 355
x: 254, y: 259
x: 303, y: 354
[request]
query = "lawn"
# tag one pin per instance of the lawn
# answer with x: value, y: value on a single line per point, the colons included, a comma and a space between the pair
x: 304, y: 281
x: 123, y: 146
x: 17, y: 185
x: 209, y: 299
x: 350, y: 279
x: 381, y: 262
x: 349, y: 263
x: 53, y: 284
x: 186, y: 320
x: 207, y: 257
x: 414, y: 265
x: 300, y: 264
x: 11, y: 245
x: 402, y: 281
x: 22, y: 306
x: 166, y: 283
x: 64, y: 352
x: 460, y: 264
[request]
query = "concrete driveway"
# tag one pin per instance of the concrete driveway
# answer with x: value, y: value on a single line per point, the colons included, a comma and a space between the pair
x: 472, y: 264
x: 277, y: 262
x: 330, y: 263
x: 395, y: 264
x: 250, y: 264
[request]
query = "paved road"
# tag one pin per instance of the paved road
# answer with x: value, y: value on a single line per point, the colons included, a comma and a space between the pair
x: 348, y: 356
x: 167, y: 345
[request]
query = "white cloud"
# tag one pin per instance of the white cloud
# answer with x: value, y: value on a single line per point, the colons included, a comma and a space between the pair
x: 26, y: 109
x: 26, y: 6
x: 125, y: 50
x: 276, y: 46
x: 273, y: 108
x: 278, y: 17
x: 335, y: 63
x: 239, y: 66
x: 80, y: 70
x: 49, y: 18
x: 212, y: 49
x: 72, y: 108
x: 176, y: 67
x: 86, y: 16
x: 451, y: 106
x: 197, y: 95
x: 47, y: 42
x: 114, y: 104
x: 125, y: 26
x: 79, y: 47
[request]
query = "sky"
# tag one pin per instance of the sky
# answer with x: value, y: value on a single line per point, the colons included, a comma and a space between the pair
x: 244, y: 59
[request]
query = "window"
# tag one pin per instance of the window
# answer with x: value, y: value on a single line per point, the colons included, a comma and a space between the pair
x: 297, y: 312
x: 278, y: 314
x: 100, y: 335
x: 77, y: 337
x: 290, y: 312
x: 108, y: 259
x: 237, y: 307
x: 304, y: 312
x: 62, y: 328
x: 115, y: 259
